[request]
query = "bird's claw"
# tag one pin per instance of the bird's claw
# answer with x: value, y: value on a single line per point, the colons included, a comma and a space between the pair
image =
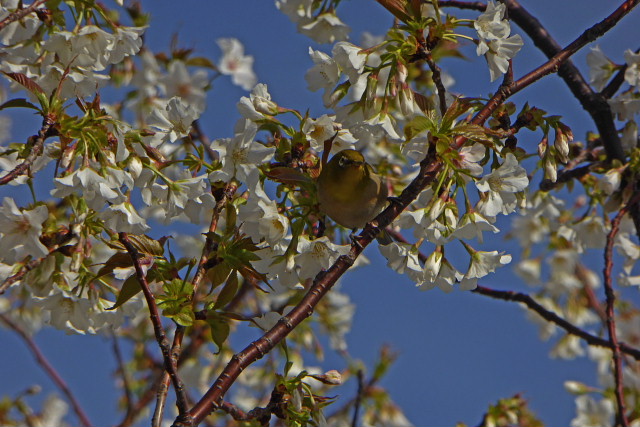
x: 394, y: 199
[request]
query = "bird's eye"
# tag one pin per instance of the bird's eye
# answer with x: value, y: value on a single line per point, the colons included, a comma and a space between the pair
x: 343, y: 162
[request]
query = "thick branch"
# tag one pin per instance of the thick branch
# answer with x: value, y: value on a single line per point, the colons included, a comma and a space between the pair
x: 595, y: 104
x: 49, y: 369
x: 323, y: 282
x: 555, y: 63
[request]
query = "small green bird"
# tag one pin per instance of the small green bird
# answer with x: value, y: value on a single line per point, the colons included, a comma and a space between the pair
x: 349, y: 191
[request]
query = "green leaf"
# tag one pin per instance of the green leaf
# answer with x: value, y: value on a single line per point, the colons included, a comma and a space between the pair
x: 184, y: 317
x: 117, y: 260
x: 146, y: 244
x: 200, y: 61
x: 229, y: 291
x: 18, y: 102
x: 218, y: 274
x: 130, y: 288
x: 142, y: 243
x: 288, y: 176
x: 231, y: 216
x: 219, y: 328
x: 459, y: 106
x: 417, y: 125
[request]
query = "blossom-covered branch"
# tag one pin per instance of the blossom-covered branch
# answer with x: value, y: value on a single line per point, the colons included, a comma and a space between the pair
x: 554, y: 63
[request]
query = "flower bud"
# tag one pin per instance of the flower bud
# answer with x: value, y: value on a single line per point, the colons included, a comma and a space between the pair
x: 563, y: 137
x: 265, y: 106
x: 331, y: 377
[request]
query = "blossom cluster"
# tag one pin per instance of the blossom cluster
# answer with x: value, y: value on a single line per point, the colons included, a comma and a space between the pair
x: 495, y: 43
x: 126, y: 168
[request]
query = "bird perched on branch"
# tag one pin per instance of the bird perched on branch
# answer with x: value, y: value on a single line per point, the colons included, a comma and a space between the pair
x: 350, y: 192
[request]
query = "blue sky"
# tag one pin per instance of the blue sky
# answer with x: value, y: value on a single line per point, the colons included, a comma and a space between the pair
x: 458, y: 352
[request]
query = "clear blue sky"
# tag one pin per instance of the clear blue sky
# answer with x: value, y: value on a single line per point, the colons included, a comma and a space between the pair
x: 457, y: 352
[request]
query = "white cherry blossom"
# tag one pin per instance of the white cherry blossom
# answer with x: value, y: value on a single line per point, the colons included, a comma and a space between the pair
x: 236, y: 64
x: 21, y: 230
x: 501, y: 186
x: 241, y: 154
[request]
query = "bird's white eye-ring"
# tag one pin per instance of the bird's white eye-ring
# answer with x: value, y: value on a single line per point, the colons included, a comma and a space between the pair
x: 345, y: 161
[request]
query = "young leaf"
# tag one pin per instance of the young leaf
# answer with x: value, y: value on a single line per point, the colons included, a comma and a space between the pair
x: 130, y: 288
x: 117, y: 260
x: 25, y: 81
x: 18, y: 102
x: 229, y: 291
x: 219, y: 328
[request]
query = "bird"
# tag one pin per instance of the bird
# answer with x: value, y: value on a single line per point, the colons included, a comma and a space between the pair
x: 350, y: 192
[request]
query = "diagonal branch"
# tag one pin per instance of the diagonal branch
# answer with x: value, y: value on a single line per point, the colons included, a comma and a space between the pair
x: 48, y: 368
x: 20, y: 13
x: 533, y: 305
x: 169, y: 362
x: 37, y: 146
x: 595, y: 104
x: 429, y: 168
x: 554, y: 64
x: 552, y: 317
x: 323, y: 282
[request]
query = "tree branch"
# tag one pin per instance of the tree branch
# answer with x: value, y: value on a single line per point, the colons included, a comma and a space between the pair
x: 536, y: 307
x: 323, y: 282
x: 48, y: 368
x: 37, y: 146
x: 610, y: 312
x: 169, y: 363
x: 554, y: 318
x: 125, y: 378
x: 21, y: 13
x: 556, y: 63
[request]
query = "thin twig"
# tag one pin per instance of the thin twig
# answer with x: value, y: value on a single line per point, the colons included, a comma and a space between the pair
x: 554, y: 318
x: 161, y: 396
x: 610, y: 311
x: 20, y: 274
x: 531, y: 303
x: 437, y: 80
x: 144, y: 400
x: 161, y: 338
x: 615, y: 82
x: 128, y: 396
x: 37, y: 146
x: 21, y: 13
x: 197, y: 133
x: 48, y: 368
x: 358, y: 401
